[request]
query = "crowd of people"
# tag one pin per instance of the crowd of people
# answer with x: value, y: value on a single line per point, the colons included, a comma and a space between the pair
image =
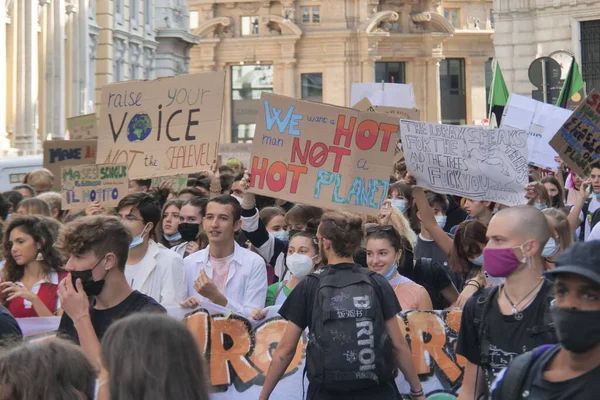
x: 527, y: 279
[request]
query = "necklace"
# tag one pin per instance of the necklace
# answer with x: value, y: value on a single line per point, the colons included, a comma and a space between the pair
x: 517, y: 314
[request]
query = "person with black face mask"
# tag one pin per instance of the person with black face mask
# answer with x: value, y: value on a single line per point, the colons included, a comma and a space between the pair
x: 190, y: 218
x: 96, y: 293
x: 570, y: 369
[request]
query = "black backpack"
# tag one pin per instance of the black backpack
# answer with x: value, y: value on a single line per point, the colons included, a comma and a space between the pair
x: 348, y: 348
x: 482, y: 309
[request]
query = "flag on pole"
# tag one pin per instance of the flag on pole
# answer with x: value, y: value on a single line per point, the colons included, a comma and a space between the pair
x: 498, y: 95
x: 573, y: 84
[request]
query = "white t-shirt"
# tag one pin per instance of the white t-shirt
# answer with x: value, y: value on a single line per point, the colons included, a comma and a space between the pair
x: 132, y: 270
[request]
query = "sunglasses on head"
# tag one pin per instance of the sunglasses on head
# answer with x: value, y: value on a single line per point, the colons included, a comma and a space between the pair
x: 380, y: 228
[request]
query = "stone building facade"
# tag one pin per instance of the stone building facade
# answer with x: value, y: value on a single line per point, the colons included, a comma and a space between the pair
x: 316, y: 49
x: 55, y: 56
x: 528, y: 29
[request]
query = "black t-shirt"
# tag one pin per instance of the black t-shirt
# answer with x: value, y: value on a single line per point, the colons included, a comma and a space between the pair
x: 584, y: 387
x: 9, y: 328
x: 298, y: 308
x: 508, y: 336
x: 102, y: 319
x: 433, y: 277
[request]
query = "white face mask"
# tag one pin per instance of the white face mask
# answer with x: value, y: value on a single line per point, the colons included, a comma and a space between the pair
x: 299, y: 265
x: 239, y: 199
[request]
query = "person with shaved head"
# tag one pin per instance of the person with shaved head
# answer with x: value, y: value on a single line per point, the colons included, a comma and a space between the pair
x: 501, y: 322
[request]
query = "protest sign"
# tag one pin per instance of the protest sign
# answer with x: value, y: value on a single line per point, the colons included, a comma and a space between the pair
x: 322, y: 155
x: 85, y: 184
x: 163, y: 127
x: 60, y: 153
x: 82, y: 127
x: 577, y: 142
x: 467, y: 161
x: 237, y: 369
x: 541, y: 121
x: 401, y: 113
x: 176, y: 183
x: 384, y: 94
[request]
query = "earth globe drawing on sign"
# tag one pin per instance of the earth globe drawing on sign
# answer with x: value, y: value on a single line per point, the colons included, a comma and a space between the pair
x: 139, y: 127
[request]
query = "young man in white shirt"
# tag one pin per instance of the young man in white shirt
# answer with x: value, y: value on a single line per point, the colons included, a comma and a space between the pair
x: 151, y: 268
x: 585, y: 205
x: 225, y: 273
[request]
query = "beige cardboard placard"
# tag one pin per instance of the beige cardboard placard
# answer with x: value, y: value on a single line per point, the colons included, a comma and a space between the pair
x: 241, y: 151
x: 59, y: 153
x: 176, y: 183
x: 322, y: 155
x: 168, y: 126
x: 577, y: 142
x: 84, y: 184
x: 401, y: 113
x: 82, y: 127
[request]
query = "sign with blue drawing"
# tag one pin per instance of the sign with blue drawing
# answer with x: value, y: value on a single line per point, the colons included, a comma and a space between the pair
x: 165, y: 127
x: 468, y: 161
x: 322, y: 155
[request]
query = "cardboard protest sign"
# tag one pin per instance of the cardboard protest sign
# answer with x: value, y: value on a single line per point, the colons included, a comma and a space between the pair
x: 468, y: 161
x: 322, y: 155
x: 176, y: 183
x: 577, y: 142
x: 59, y: 153
x: 398, y: 112
x: 85, y: 184
x: 384, y: 94
x: 163, y: 127
x: 82, y: 127
x: 237, y: 369
x: 541, y: 121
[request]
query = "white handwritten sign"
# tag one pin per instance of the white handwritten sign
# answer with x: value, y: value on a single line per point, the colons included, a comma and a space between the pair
x: 167, y: 126
x: 468, y: 161
x: 541, y: 121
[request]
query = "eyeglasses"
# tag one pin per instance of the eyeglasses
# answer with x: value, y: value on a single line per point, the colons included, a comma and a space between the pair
x: 129, y: 217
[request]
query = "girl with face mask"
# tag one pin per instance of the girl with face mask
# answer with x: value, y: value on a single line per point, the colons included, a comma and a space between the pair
x: 274, y: 220
x: 167, y: 232
x: 560, y: 236
x: 302, y: 258
x: 384, y: 254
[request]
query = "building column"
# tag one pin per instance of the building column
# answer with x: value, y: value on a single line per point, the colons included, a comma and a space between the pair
x: 415, y: 70
x: 289, y: 78
x: 104, y: 50
x: 4, y: 142
x: 226, y: 125
x: 475, y: 87
x: 78, y: 45
x: 433, y: 96
x: 26, y: 73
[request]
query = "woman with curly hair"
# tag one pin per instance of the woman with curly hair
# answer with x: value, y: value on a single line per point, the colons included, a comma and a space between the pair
x: 32, y: 271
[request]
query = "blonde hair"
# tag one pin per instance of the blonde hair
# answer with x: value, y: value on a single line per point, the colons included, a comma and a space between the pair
x: 559, y: 221
x: 401, y: 224
x: 53, y: 199
x: 40, y: 176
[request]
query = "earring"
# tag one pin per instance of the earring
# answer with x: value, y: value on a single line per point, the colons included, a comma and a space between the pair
x: 39, y: 257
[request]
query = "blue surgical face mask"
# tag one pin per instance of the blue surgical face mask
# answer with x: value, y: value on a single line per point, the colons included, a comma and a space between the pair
x: 172, y: 238
x: 540, y: 206
x: 139, y: 239
x: 596, y: 195
x: 391, y: 271
x: 550, y: 249
x: 400, y: 204
x: 281, y: 235
x: 441, y: 220
x: 477, y: 261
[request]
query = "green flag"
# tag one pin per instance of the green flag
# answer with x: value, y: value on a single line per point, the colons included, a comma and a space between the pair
x: 498, y: 94
x: 573, y: 84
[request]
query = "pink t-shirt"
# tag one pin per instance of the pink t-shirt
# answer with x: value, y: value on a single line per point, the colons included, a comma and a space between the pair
x: 220, y: 268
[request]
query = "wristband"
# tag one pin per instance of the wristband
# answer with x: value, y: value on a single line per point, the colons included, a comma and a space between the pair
x: 79, y: 319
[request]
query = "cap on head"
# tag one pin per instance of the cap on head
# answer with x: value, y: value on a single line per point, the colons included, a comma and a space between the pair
x: 582, y: 258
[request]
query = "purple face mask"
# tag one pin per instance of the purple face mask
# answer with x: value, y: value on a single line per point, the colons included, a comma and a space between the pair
x: 500, y: 263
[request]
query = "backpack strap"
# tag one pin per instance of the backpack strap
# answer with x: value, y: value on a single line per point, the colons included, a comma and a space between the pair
x: 548, y: 322
x: 281, y: 286
x: 513, y: 382
x: 482, y: 308
x: 585, y: 210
